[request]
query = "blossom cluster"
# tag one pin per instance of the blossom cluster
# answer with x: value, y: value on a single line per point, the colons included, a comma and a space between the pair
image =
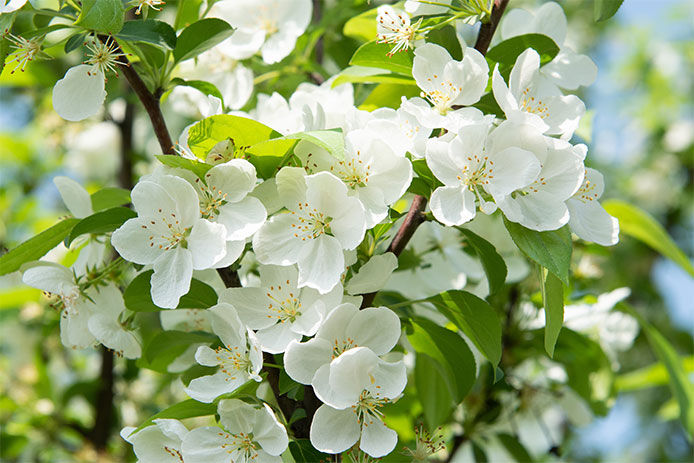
x: 300, y: 229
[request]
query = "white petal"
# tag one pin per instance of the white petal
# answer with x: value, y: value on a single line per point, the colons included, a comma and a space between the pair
x: 321, y: 263
x: 204, y: 445
x: 302, y: 360
x: 111, y: 334
x: 291, y: 186
x: 514, y: 168
x: 389, y: 379
x: 310, y: 319
x: 171, y: 428
x: 236, y: 415
x: 75, y: 197
x: 227, y: 325
x: 373, y: 275
x: 74, y: 329
x: 132, y: 241
x: 269, y: 433
x: 276, y: 338
x: 79, y: 94
x: 524, y: 71
x: 236, y: 178
x: 335, y: 325
x: 51, y: 277
x: 453, y: 205
x: 234, y: 249
x: 507, y: 102
x: 173, y: 271
x: 207, y: 388
x: 377, y: 328
x: 334, y: 431
x: 278, y: 46
x: 207, y: 243
x: 550, y: 20
x: 275, y: 243
x: 591, y: 222
x: 242, y: 218
x: 570, y: 70
x: 377, y: 439
x: 429, y: 60
x: 472, y: 80
x: 251, y: 305
x: 350, y: 374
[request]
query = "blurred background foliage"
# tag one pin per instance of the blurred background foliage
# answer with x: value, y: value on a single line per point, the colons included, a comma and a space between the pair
x: 640, y: 130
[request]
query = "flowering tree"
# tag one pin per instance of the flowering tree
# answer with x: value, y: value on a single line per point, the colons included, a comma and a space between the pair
x: 387, y: 246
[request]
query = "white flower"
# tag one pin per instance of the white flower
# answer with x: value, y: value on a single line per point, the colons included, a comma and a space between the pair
x: 10, y: 6
x: 79, y: 94
x: 329, y: 107
x: 541, y: 205
x: 445, y: 82
x: 589, y: 220
x: 224, y: 199
x: 274, y: 111
x: 401, y: 130
x: 105, y: 322
x: 530, y: 98
x: 393, y: 26
x: 370, y: 169
x: 271, y: 26
x: 321, y: 222
x: 568, y: 69
x: 169, y: 234
x: 347, y: 327
x: 76, y: 311
x: 279, y: 310
x: 373, y: 275
x: 474, y: 165
x: 158, y: 443
x: 250, y: 435
x: 358, y: 384
x: 239, y: 358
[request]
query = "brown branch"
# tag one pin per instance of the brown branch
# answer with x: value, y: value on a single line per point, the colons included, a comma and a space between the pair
x: 415, y: 215
x: 103, y: 406
x: 149, y: 100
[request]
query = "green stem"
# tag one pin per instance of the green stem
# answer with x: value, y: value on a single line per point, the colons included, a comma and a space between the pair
x: 273, y: 365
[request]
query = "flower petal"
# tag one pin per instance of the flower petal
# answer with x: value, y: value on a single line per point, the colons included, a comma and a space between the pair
x: 75, y: 197
x: 321, y: 263
x: 207, y: 243
x: 377, y: 328
x: 79, y: 94
x: 269, y: 433
x: 334, y: 431
x: 173, y: 271
x: 302, y: 360
x: 453, y: 205
x: 377, y: 439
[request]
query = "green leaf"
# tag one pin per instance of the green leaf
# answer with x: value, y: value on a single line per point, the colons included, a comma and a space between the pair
x: 4, y: 51
x: 200, y: 36
x: 149, y: 30
x: 363, y: 26
x: 101, y: 222
x: 201, y: 85
x: 650, y: 376
x: 638, y: 224
x: 474, y: 317
x: 333, y: 140
x: 550, y: 249
x: 101, y: 15
x: 508, y: 51
x: 36, y: 247
x: 74, y: 42
x: 303, y: 452
x: 488, y: 105
x: 242, y: 131
x: 493, y: 264
x: 682, y: 388
x: 166, y: 346
x: 138, y: 298
x: 553, y: 302
x: 388, y: 96
x: 186, y: 409
x: 605, y: 9
x: 450, y: 351
x: 198, y: 168
x: 432, y: 391
x: 514, y: 448
x: 188, y: 12
x: 478, y: 453
x: 362, y: 74
x: 374, y: 55
x: 107, y: 198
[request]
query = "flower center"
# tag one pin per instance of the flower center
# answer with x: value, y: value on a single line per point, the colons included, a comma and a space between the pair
x: 342, y: 345
x: 148, y: 3
x: 587, y: 192
x: 167, y: 232
x: 367, y: 408
x: 232, y: 361
x: 478, y: 171
x: 442, y: 97
x: 211, y: 199
x: 309, y: 223
x: 281, y: 308
x: 402, y: 32
x: 103, y: 56
x: 353, y: 172
x: 24, y: 50
x: 174, y: 453
x: 532, y: 105
x: 240, y: 446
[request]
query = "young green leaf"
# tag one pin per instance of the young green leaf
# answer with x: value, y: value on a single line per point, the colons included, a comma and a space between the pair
x: 605, y: 9
x: 553, y: 302
x: 682, y: 388
x: 101, y: 15
x: 36, y: 247
x: 474, y: 317
x: 493, y: 264
x: 200, y: 36
x: 198, y: 168
x: 166, y: 346
x: 303, y: 452
x: 186, y: 409
x: 514, y: 448
x: 74, y: 42
x: 639, y: 224
x: 101, y: 222
x: 333, y: 141
x: 550, y: 249
x: 432, y: 391
x: 242, y: 131
x: 137, y: 295
x: 107, y: 198
x: 375, y: 55
x: 508, y: 51
x: 363, y: 26
x: 205, y: 87
x: 149, y: 30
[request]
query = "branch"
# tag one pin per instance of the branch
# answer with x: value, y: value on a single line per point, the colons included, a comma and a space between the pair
x: 415, y: 215
x: 149, y: 100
